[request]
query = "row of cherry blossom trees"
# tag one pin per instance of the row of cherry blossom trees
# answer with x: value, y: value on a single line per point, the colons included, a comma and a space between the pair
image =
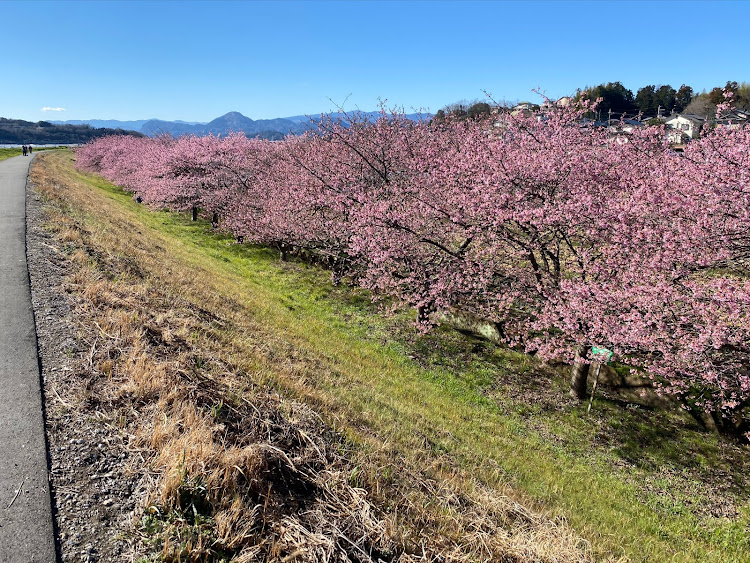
x: 560, y: 234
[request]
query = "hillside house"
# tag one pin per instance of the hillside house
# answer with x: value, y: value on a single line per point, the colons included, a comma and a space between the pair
x: 686, y: 124
x: 735, y: 119
x: 623, y: 125
x: 526, y: 109
x: 564, y: 102
x: 677, y: 137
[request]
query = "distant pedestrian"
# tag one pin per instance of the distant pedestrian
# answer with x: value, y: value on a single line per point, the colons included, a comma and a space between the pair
x: 30, y: 151
x: 23, y: 148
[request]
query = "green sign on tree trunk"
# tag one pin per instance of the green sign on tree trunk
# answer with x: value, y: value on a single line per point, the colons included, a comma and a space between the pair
x: 602, y: 355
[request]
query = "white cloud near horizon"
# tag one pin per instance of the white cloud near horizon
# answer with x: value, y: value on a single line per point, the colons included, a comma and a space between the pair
x: 52, y: 109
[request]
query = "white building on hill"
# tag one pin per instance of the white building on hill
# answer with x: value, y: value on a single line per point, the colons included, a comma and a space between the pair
x: 686, y: 124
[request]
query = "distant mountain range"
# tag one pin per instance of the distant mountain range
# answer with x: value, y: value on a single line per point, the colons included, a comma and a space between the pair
x: 233, y: 121
x: 114, y: 123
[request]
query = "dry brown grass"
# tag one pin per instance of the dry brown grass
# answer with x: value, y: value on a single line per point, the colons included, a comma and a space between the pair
x: 240, y: 472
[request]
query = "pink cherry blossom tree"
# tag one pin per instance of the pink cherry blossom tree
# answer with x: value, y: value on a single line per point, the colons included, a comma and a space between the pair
x: 562, y: 234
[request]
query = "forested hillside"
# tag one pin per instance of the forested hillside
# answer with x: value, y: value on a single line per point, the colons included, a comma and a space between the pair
x: 18, y: 131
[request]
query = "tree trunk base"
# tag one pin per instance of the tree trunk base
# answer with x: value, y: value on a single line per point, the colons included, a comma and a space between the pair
x: 579, y: 375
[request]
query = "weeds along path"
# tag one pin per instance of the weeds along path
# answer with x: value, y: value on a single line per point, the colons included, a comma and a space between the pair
x: 187, y: 336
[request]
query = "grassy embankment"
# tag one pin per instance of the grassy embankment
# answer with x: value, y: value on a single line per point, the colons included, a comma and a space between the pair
x: 636, y: 483
x: 11, y: 152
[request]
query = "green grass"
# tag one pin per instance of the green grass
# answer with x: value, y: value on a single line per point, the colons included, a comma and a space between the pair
x: 9, y: 153
x: 635, y: 482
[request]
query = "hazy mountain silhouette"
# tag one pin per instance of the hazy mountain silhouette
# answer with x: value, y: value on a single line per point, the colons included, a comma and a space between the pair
x: 230, y: 122
x: 154, y: 127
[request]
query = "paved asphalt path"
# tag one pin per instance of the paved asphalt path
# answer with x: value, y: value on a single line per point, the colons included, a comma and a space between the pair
x: 26, y: 529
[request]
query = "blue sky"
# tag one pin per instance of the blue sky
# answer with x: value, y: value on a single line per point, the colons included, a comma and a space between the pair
x: 198, y: 60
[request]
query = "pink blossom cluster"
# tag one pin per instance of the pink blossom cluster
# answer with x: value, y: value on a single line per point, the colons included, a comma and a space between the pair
x: 559, y: 233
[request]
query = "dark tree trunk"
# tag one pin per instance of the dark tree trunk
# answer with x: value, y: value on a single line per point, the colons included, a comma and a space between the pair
x: 579, y: 375
x: 500, y: 328
x: 195, y: 213
x: 711, y: 422
x: 424, y: 312
x: 337, y: 270
x: 215, y: 221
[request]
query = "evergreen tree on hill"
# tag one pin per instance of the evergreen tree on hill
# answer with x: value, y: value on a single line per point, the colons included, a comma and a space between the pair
x: 683, y: 98
x: 644, y: 100
x: 665, y: 98
x: 615, y: 98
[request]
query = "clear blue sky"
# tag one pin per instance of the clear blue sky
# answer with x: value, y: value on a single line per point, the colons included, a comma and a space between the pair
x: 198, y: 60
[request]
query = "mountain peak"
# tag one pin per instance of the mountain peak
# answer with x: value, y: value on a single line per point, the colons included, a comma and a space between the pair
x: 232, y: 121
x: 234, y: 116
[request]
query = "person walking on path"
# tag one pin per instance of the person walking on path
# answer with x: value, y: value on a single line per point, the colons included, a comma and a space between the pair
x: 30, y: 151
x: 24, y: 149
x: 26, y: 528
